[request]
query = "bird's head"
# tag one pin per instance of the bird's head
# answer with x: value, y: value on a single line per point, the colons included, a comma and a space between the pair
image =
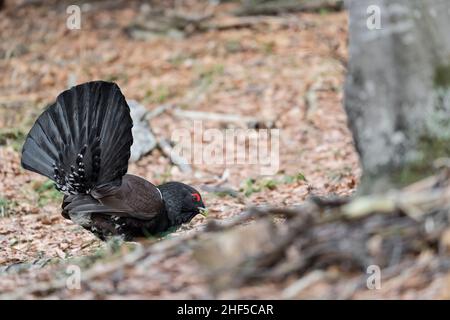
x: 192, y: 205
x: 183, y: 202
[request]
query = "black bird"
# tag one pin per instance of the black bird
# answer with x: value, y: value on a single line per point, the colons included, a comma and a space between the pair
x: 82, y: 142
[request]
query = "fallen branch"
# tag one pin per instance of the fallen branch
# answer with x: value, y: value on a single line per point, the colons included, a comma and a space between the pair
x: 258, y: 7
x: 251, y: 22
x: 373, y: 230
x: 150, y: 23
x: 211, y: 116
x: 18, y: 267
x: 141, y: 255
x: 174, y: 157
x: 304, y: 241
x: 311, y: 101
x: 256, y: 213
x: 157, y: 111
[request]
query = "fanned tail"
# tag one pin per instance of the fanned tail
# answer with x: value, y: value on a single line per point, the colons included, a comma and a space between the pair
x: 83, y: 140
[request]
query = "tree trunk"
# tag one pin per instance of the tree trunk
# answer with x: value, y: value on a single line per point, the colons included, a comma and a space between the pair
x: 397, y: 89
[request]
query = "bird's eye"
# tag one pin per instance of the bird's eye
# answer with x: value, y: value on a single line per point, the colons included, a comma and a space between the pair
x: 196, y: 197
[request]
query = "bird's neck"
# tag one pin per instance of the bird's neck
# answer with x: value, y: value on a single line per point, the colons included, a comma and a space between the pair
x: 160, y: 193
x: 172, y: 199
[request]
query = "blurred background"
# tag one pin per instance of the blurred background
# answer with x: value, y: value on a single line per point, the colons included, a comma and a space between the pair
x: 263, y: 63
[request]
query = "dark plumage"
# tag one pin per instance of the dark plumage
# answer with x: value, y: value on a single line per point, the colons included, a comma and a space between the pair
x: 82, y: 142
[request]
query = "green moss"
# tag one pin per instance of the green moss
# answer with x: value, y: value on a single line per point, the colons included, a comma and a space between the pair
x: 250, y: 186
x: 47, y: 193
x: 160, y: 95
x: 270, y: 184
x: 268, y: 47
x: 162, y: 234
x: 233, y: 46
x: 409, y: 174
x: 164, y: 177
x: 435, y: 142
x: 115, y: 77
x: 294, y: 179
x: 178, y: 59
x: 429, y: 149
x: 12, y: 137
x: 5, y: 205
x: 442, y: 76
x: 300, y: 177
x: 324, y: 11
x: 221, y: 194
x: 207, y: 75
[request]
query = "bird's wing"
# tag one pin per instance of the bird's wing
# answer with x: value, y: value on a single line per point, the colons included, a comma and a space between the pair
x: 85, y: 204
x: 136, y: 197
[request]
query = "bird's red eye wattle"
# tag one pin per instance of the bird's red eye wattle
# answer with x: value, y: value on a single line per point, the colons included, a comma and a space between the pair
x: 196, y: 197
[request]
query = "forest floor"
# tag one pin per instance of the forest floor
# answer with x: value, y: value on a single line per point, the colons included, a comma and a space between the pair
x: 286, y: 70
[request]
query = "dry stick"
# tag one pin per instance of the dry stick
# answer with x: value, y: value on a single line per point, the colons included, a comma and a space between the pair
x: 302, y: 215
x: 255, y: 212
x: 181, y: 18
x: 311, y: 100
x: 212, y: 116
x: 147, y: 256
x: 285, y: 6
x: 18, y: 267
x: 250, y: 22
x: 221, y: 189
x: 302, y: 284
x: 241, y: 199
x: 150, y: 255
x: 176, y: 159
x: 36, y: 264
x: 415, y: 204
x: 157, y: 111
x: 43, y: 287
x: 422, y: 201
x: 265, y: 259
x: 405, y: 269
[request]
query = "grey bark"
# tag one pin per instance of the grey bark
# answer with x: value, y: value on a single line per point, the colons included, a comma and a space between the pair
x: 397, y: 89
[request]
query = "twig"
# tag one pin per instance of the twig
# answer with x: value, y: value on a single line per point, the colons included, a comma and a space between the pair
x: 321, y: 234
x: 97, y: 270
x: 257, y: 212
x: 221, y: 189
x: 144, y: 255
x: 414, y: 203
x: 285, y: 6
x: 250, y: 22
x: 18, y: 267
x: 324, y: 233
x: 211, y: 116
x: 311, y: 99
x: 157, y: 111
x: 174, y: 157
x: 303, y: 283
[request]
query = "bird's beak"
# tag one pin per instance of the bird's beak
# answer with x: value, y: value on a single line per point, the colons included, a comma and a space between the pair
x: 203, y: 211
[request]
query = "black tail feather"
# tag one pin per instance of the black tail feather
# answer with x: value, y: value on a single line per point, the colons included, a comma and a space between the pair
x: 83, y: 140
